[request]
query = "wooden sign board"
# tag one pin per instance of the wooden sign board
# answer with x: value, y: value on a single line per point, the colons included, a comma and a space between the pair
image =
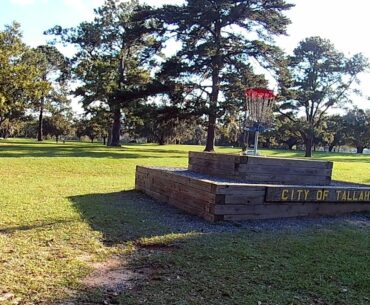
x: 306, y: 194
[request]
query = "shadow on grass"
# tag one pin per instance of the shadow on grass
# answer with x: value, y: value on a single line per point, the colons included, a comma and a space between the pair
x: 74, y: 151
x: 33, y: 226
x: 130, y: 215
x: 181, y: 257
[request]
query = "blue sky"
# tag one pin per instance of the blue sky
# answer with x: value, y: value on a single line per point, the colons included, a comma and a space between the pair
x: 344, y: 22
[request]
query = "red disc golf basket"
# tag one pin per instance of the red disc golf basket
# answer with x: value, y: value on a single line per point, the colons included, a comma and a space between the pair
x: 258, y: 112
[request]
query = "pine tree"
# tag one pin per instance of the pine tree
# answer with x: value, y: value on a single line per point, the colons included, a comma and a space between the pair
x: 218, y: 36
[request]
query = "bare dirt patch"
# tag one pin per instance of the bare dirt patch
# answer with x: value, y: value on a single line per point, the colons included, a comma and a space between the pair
x: 112, y: 275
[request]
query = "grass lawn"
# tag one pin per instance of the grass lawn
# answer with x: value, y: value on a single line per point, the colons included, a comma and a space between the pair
x: 69, y: 211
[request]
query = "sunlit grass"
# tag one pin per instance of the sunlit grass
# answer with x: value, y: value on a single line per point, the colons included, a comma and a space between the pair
x: 62, y: 207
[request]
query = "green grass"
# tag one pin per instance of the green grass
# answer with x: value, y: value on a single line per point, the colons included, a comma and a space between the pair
x: 64, y: 207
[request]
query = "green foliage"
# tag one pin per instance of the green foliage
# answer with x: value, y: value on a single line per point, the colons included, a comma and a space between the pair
x: 321, y: 78
x: 116, y: 54
x: 96, y: 126
x: 57, y: 125
x: 357, y: 128
x: 286, y: 132
x: 216, y: 39
x: 19, y: 75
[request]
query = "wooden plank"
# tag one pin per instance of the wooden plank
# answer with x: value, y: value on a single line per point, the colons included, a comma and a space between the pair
x: 214, y: 156
x: 213, y: 171
x: 296, y: 210
x: 286, y: 179
x: 214, y: 164
x: 289, y: 162
x: 251, y: 197
x: 274, y: 169
x: 238, y: 189
x: 262, y: 169
x: 185, y: 180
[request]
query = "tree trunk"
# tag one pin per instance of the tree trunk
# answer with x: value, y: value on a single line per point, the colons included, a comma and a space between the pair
x: 308, y: 139
x: 331, y: 147
x: 308, y: 147
x: 40, y: 135
x: 216, y: 68
x: 245, y: 141
x: 57, y: 139
x: 104, y: 140
x: 360, y: 149
x: 116, y: 128
x: 210, y: 144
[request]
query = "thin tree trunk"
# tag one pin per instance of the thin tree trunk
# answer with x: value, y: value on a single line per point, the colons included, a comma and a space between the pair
x: 210, y: 144
x: 216, y: 68
x: 40, y: 135
x: 308, y: 145
x: 116, y: 128
x: 360, y: 149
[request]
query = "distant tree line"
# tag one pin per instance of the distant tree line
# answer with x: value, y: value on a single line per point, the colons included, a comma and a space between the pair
x: 130, y: 82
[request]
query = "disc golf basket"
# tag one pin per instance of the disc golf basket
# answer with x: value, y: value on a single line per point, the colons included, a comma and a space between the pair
x: 258, y: 113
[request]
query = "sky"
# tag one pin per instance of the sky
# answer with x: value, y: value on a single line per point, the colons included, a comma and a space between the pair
x: 343, y: 22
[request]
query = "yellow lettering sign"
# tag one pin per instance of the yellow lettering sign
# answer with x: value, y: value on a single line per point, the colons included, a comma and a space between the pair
x: 338, y: 195
x: 284, y: 195
x: 319, y: 195
x: 325, y: 195
x: 299, y: 194
x: 367, y: 196
x: 361, y: 196
x: 354, y: 196
x: 306, y: 192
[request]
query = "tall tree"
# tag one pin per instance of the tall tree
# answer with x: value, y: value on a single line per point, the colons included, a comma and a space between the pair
x: 19, y: 81
x: 357, y: 123
x: 58, y: 124
x: 286, y: 132
x: 336, y: 128
x: 322, y: 78
x: 216, y: 37
x: 53, y: 69
x: 115, y: 56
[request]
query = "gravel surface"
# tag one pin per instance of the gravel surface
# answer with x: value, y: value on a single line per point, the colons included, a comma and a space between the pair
x: 177, y: 221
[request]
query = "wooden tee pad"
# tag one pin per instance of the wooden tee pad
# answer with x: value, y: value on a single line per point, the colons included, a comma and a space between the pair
x: 232, y: 187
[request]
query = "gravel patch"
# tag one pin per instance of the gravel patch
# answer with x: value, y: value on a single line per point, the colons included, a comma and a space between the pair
x: 177, y: 221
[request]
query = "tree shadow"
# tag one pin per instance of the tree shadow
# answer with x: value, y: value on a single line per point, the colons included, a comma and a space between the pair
x: 130, y: 215
x: 33, y: 226
x: 67, y: 151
